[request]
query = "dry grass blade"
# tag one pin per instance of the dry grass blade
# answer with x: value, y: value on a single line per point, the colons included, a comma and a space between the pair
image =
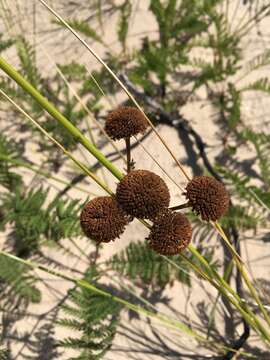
x: 156, y: 162
x: 85, y: 107
x: 77, y: 162
x: 118, y: 81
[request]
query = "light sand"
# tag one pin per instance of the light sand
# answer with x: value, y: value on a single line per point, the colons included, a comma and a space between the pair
x: 135, y: 339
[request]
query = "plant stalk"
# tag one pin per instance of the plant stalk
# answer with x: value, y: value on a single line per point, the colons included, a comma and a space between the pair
x: 51, y: 109
x: 128, y: 154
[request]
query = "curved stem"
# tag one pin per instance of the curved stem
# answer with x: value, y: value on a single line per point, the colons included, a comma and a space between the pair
x: 51, y: 109
x: 174, y: 324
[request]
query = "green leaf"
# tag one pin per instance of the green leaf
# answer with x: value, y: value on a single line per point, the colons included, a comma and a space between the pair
x: 93, y: 317
x: 26, y: 55
x: 138, y: 262
x: 82, y: 27
x: 5, y: 44
x: 123, y: 23
x: 4, y: 353
x: 12, y: 149
x: 257, y: 62
x: 17, y: 283
x: 262, y: 84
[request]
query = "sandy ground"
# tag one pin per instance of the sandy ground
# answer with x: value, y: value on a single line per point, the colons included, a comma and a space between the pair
x: 135, y: 339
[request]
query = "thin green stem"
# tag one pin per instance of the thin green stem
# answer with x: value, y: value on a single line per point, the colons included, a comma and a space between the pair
x: 176, y: 325
x: 224, y: 285
x: 239, y: 264
x: 118, y: 81
x: 127, y: 93
x: 83, y: 140
x: 51, y: 109
x: 78, y: 163
x: 248, y: 316
x: 42, y: 172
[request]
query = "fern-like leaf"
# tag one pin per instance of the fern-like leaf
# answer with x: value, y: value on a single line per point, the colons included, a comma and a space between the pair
x: 11, y: 149
x: 262, y: 84
x: 26, y: 55
x: 5, y: 44
x: 94, y: 317
x: 4, y: 353
x: 17, y: 284
x: 82, y: 27
x: 138, y: 262
x: 257, y: 62
x: 32, y: 221
x: 125, y: 12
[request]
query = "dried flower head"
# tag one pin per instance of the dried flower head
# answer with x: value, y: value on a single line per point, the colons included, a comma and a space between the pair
x: 171, y: 233
x: 207, y: 197
x: 143, y: 194
x: 125, y: 122
x: 103, y: 220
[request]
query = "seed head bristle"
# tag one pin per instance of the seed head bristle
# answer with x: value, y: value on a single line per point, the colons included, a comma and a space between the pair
x: 207, y: 197
x: 142, y: 194
x: 170, y: 234
x: 125, y: 122
x: 103, y: 220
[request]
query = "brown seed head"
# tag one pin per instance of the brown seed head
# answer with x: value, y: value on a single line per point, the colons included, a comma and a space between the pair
x: 142, y: 194
x: 103, y: 220
x: 207, y: 197
x: 125, y: 122
x: 171, y: 233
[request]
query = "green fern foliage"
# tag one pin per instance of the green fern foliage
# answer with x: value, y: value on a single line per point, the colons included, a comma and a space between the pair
x: 262, y: 84
x: 17, y: 284
x: 94, y: 317
x: 138, y: 262
x: 11, y: 149
x: 82, y: 27
x: 64, y: 223
x: 5, y: 44
x: 4, y: 353
x: 258, y: 61
x: 26, y: 55
x: 33, y: 222
x: 125, y: 12
x: 250, y: 201
x: 261, y: 143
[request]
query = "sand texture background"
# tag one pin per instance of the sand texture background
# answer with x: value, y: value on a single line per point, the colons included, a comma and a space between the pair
x: 136, y: 338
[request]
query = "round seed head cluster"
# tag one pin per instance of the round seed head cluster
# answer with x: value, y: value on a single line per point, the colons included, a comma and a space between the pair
x: 103, y: 220
x: 170, y: 233
x: 142, y: 194
x: 125, y: 122
x: 207, y: 197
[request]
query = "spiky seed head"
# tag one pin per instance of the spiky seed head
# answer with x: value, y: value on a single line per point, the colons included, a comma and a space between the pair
x: 142, y: 194
x: 207, y: 197
x: 125, y: 122
x: 103, y: 220
x: 171, y: 233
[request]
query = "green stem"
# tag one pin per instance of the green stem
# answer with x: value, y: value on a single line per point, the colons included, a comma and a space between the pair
x: 9, y: 70
x: 51, y: 109
x: 247, y: 315
x: 41, y: 172
x: 224, y: 285
x: 83, y: 283
x: 239, y: 264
